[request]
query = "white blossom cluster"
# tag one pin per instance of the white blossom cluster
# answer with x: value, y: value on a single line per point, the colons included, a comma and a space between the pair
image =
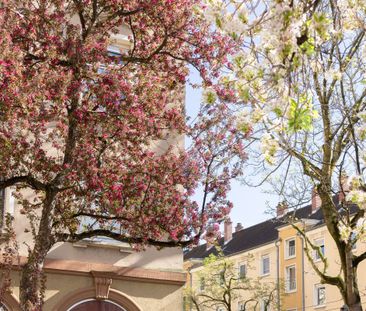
x: 282, y: 64
x: 269, y: 147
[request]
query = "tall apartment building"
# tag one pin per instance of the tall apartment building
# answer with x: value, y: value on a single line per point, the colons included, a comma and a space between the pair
x: 278, y: 256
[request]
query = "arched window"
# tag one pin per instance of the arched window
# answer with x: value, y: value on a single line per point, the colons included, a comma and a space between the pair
x: 95, y: 305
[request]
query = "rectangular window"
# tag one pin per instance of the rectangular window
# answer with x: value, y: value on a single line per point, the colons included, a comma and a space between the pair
x: 290, y: 279
x: 264, y: 305
x: 320, y: 244
x: 353, y: 240
x: 265, y: 265
x: 222, y: 278
x: 202, y: 284
x: 290, y: 248
x: 242, y: 271
x: 241, y: 306
x: 319, y: 295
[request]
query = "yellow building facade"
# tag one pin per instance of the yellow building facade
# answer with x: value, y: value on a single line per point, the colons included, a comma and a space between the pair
x: 300, y: 288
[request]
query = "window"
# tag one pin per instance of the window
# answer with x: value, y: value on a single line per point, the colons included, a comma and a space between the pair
x: 241, y: 306
x: 264, y: 305
x: 265, y: 265
x: 3, y: 308
x: 202, y: 284
x: 290, y: 279
x: 353, y: 240
x: 242, y: 271
x: 222, y: 277
x: 220, y: 309
x: 320, y: 244
x: 290, y: 248
x: 319, y: 295
x: 92, y: 304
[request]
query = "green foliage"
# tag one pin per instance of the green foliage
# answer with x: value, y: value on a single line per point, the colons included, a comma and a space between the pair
x: 301, y: 114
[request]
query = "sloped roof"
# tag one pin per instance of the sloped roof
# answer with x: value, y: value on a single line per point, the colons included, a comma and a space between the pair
x: 259, y: 234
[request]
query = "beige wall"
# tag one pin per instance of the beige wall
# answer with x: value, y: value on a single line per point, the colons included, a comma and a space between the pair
x: 146, y: 296
x: 252, y: 259
x: 333, y: 298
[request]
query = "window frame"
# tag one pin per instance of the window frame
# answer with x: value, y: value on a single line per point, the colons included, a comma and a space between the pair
x: 263, y: 257
x: 316, y: 296
x: 240, y: 276
x: 316, y: 257
x: 201, y: 284
x: 288, y: 289
x: 287, y: 248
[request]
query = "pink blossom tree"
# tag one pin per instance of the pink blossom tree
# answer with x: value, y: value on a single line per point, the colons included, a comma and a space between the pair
x: 93, y: 135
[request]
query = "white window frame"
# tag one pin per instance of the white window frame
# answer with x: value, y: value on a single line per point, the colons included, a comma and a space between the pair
x: 241, y: 264
x: 287, y: 248
x: 288, y: 281
x: 316, y: 296
x: 265, y: 256
x: 319, y: 242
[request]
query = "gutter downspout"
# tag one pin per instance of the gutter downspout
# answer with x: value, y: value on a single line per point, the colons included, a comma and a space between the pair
x: 303, y: 273
x: 277, y: 244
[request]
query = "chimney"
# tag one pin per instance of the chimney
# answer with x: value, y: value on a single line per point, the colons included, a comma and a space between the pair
x: 282, y: 208
x: 344, y: 187
x: 239, y: 227
x: 228, y: 230
x: 316, y: 201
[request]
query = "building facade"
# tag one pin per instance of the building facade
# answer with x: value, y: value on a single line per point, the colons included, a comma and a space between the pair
x: 278, y: 256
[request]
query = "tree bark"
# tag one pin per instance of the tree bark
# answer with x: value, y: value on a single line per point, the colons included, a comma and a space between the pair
x: 353, y: 299
x: 32, y: 278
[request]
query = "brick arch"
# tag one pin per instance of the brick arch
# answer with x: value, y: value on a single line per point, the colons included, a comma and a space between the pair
x: 89, y: 293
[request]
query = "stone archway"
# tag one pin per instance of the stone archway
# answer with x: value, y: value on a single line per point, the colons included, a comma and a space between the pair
x: 115, y: 297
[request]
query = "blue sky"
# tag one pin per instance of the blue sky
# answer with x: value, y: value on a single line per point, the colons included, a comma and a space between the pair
x: 250, y: 204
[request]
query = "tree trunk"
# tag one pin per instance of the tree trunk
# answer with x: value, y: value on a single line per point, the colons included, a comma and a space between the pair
x: 348, y: 289
x: 353, y: 299
x: 32, y: 284
x: 32, y: 277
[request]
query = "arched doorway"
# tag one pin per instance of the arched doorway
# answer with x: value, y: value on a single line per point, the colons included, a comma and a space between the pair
x: 96, y: 305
